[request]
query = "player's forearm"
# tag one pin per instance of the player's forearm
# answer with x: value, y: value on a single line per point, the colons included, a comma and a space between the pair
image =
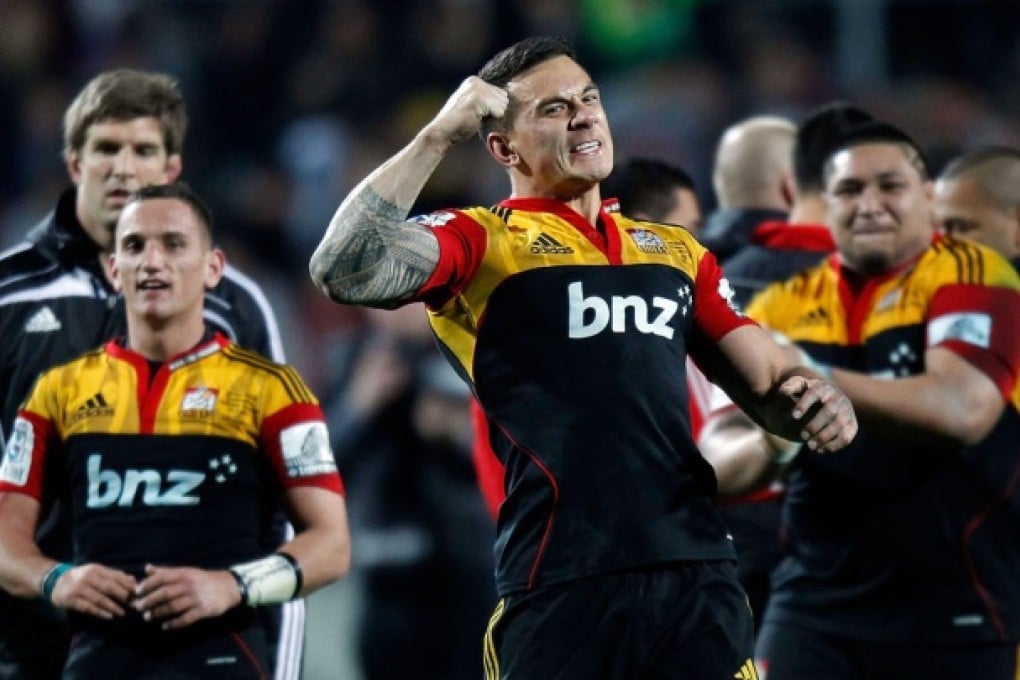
x: 22, y: 566
x: 370, y: 255
x: 324, y: 555
x: 920, y: 408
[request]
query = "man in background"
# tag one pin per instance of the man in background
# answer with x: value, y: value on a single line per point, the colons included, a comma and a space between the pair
x: 174, y: 446
x: 123, y: 131
x: 654, y: 190
x: 977, y: 196
x: 902, y: 552
x: 752, y: 178
x: 744, y: 458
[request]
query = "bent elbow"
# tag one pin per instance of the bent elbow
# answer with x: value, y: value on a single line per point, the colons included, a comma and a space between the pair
x: 974, y: 426
x: 319, y: 269
x: 340, y: 564
x: 337, y: 288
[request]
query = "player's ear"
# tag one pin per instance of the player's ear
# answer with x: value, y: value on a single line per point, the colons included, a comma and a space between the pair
x: 215, y: 263
x: 113, y: 271
x: 501, y: 148
x: 72, y: 161
x: 174, y: 167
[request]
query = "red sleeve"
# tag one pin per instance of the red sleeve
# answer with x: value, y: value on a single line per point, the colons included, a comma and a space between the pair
x: 297, y: 443
x: 489, y: 470
x: 462, y: 243
x: 981, y: 324
x: 25, y: 455
x: 715, y: 313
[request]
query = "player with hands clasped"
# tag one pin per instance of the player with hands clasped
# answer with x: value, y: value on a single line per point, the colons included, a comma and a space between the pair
x: 573, y: 324
x: 172, y: 446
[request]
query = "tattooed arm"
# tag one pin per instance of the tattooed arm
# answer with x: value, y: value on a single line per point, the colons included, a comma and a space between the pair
x: 370, y: 254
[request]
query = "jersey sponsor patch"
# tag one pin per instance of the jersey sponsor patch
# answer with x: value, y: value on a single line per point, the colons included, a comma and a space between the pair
x: 199, y: 401
x: 973, y: 328
x: 647, y: 241
x: 306, y: 451
x: 436, y: 219
x: 18, y: 454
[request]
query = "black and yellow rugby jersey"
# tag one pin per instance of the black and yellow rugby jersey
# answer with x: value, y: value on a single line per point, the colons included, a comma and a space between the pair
x: 183, y: 467
x: 886, y: 540
x: 574, y: 341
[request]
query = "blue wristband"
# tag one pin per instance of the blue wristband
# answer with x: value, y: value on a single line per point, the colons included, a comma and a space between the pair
x: 50, y: 578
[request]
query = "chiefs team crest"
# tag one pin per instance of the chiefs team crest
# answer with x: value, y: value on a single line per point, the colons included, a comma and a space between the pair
x: 436, y: 219
x: 647, y: 241
x: 199, y: 401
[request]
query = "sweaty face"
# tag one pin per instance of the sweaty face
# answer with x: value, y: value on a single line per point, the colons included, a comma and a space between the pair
x: 560, y: 131
x: 117, y: 159
x: 879, y: 207
x: 163, y: 262
x: 963, y: 211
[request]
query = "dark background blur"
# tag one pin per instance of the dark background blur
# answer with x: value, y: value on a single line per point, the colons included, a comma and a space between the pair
x: 293, y: 101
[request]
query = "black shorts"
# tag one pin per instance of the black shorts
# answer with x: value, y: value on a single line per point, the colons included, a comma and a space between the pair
x: 792, y: 653
x: 176, y: 655
x: 686, y: 621
x: 33, y: 639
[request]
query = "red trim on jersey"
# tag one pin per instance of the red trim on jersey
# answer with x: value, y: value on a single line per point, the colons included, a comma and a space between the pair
x: 609, y: 243
x: 462, y: 244
x: 712, y: 312
x: 42, y: 430
x: 767, y: 494
x: 547, y: 533
x: 489, y: 471
x: 269, y: 439
x: 856, y: 292
x: 1000, y: 361
x: 785, y: 236
x: 149, y: 395
x: 972, y: 527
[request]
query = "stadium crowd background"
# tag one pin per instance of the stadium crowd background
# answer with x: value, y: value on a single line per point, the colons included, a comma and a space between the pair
x: 292, y: 100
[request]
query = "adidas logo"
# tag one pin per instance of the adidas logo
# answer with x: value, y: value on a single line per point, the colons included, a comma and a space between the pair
x: 747, y: 671
x: 96, y: 406
x: 43, y: 321
x: 818, y: 315
x: 547, y: 245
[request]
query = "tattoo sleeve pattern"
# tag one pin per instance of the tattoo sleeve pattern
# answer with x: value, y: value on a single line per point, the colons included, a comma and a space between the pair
x: 374, y: 256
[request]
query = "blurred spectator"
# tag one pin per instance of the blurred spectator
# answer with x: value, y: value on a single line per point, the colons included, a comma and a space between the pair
x: 402, y: 437
x: 650, y: 189
x: 753, y: 181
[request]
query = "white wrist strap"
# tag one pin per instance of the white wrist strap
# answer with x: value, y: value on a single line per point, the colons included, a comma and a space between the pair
x: 270, y: 580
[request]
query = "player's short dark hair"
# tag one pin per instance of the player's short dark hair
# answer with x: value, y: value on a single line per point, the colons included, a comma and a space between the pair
x: 180, y: 191
x: 878, y: 131
x: 515, y: 60
x: 817, y: 135
x: 125, y: 94
x: 645, y: 186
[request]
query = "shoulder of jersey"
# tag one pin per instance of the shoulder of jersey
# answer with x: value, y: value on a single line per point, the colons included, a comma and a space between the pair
x: 969, y: 263
x: 286, y: 374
